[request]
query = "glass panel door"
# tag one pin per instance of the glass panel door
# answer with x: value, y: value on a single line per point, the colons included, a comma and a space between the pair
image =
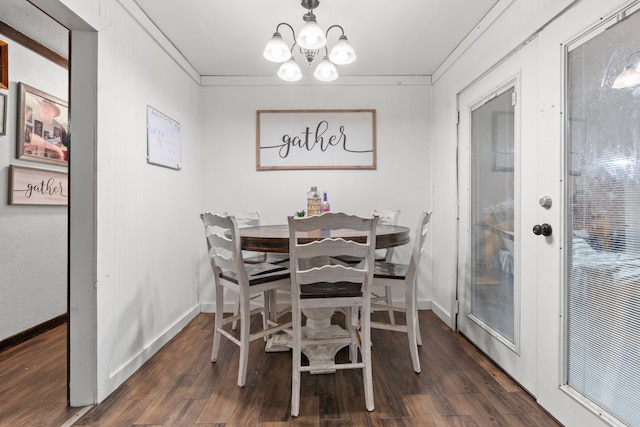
x: 495, y: 181
x: 603, y: 274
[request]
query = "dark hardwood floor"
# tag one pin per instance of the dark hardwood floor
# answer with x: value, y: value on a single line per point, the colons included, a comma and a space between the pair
x: 179, y: 386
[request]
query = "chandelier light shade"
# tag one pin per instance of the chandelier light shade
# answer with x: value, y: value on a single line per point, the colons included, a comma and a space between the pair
x: 311, y: 35
x: 342, y: 53
x: 326, y: 71
x: 277, y: 50
x: 290, y: 71
x: 310, y: 40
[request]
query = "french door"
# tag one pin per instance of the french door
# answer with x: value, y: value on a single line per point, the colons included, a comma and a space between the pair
x: 497, y: 198
x: 549, y: 234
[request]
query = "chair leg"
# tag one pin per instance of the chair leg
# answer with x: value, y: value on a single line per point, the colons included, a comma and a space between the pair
x: 388, y: 292
x: 236, y: 310
x: 217, y: 324
x: 296, y: 361
x: 267, y: 296
x: 245, y: 326
x: 412, y: 320
x: 415, y: 306
x: 418, y: 333
x: 365, y: 350
x: 351, y: 323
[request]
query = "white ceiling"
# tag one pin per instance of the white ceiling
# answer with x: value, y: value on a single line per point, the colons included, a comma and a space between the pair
x: 30, y: 21
x: 226, y: 38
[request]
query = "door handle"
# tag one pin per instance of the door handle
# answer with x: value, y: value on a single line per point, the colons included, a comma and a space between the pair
x: 544, y: 229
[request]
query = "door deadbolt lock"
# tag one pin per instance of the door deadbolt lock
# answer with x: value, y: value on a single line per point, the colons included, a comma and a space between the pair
x: 544, y: 229
x: 545, y: 202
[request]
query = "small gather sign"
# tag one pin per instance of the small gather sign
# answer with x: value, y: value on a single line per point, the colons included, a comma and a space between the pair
x: 34, y: 186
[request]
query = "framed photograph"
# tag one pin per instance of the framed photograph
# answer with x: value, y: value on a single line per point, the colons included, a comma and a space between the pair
x: 33, y: 186
x: 315, y: 139
x: 3, y: 114
x: 4, y: 65
x: 43, y: 127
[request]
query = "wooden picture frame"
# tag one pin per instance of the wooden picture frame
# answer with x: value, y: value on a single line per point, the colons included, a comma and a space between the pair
x: 35, y: 186
x: 315, y: 139
x: 43, y: 127
x: 4, y: 65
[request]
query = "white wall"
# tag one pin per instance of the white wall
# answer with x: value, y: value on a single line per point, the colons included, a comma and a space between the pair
x: 148, y: 229
x: 402, y: 179
x: 33, y: 248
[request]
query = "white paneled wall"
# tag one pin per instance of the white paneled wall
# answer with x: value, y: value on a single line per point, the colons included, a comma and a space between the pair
x: 402, y: 179
x: 147, y: 226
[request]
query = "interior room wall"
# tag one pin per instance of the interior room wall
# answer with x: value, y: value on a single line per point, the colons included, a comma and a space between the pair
x: 33, y: 252
x: 147, y: 230
x: 402, y: 179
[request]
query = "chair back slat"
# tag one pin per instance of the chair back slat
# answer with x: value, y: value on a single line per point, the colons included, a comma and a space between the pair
x: 246, y: 218
x: 331, y: 274
x: 335, y: 221
x: 331, y: 247
x: 219, y: 243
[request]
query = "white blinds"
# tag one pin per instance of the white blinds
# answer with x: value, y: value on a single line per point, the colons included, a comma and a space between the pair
x: 603, y: 276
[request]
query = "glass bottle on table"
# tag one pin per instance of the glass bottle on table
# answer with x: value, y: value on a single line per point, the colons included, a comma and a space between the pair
x: 325, y: 203
x: 314, y: 202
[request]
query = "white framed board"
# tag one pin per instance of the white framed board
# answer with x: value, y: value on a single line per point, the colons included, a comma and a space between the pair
x: 315, y: 139
x: 164, y: 147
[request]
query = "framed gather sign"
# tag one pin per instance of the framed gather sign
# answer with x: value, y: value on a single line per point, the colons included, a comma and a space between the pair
x: 316, y: 139
x: 34, y: 186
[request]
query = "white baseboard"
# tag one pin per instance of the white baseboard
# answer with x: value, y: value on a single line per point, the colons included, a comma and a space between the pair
x: 443, y: 314
x: 122, y: 373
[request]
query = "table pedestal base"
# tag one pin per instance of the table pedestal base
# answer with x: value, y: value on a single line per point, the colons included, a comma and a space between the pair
x: 318, y: 354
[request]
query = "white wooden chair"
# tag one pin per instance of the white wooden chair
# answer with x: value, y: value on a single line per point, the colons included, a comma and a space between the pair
x: 252, y: 219
x: 246, y: 280
x: 317, y: 284
x: 388, y: 217
x: 403, y: 276
x: 249, y: 219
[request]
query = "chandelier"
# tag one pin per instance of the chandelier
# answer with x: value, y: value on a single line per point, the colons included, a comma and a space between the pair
x: 311, y: 41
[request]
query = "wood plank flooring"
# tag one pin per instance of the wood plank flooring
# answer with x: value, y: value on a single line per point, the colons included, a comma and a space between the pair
x: 179, y: 386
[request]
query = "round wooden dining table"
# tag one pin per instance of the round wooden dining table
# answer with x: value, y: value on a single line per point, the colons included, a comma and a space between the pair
x: 275, y: 238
